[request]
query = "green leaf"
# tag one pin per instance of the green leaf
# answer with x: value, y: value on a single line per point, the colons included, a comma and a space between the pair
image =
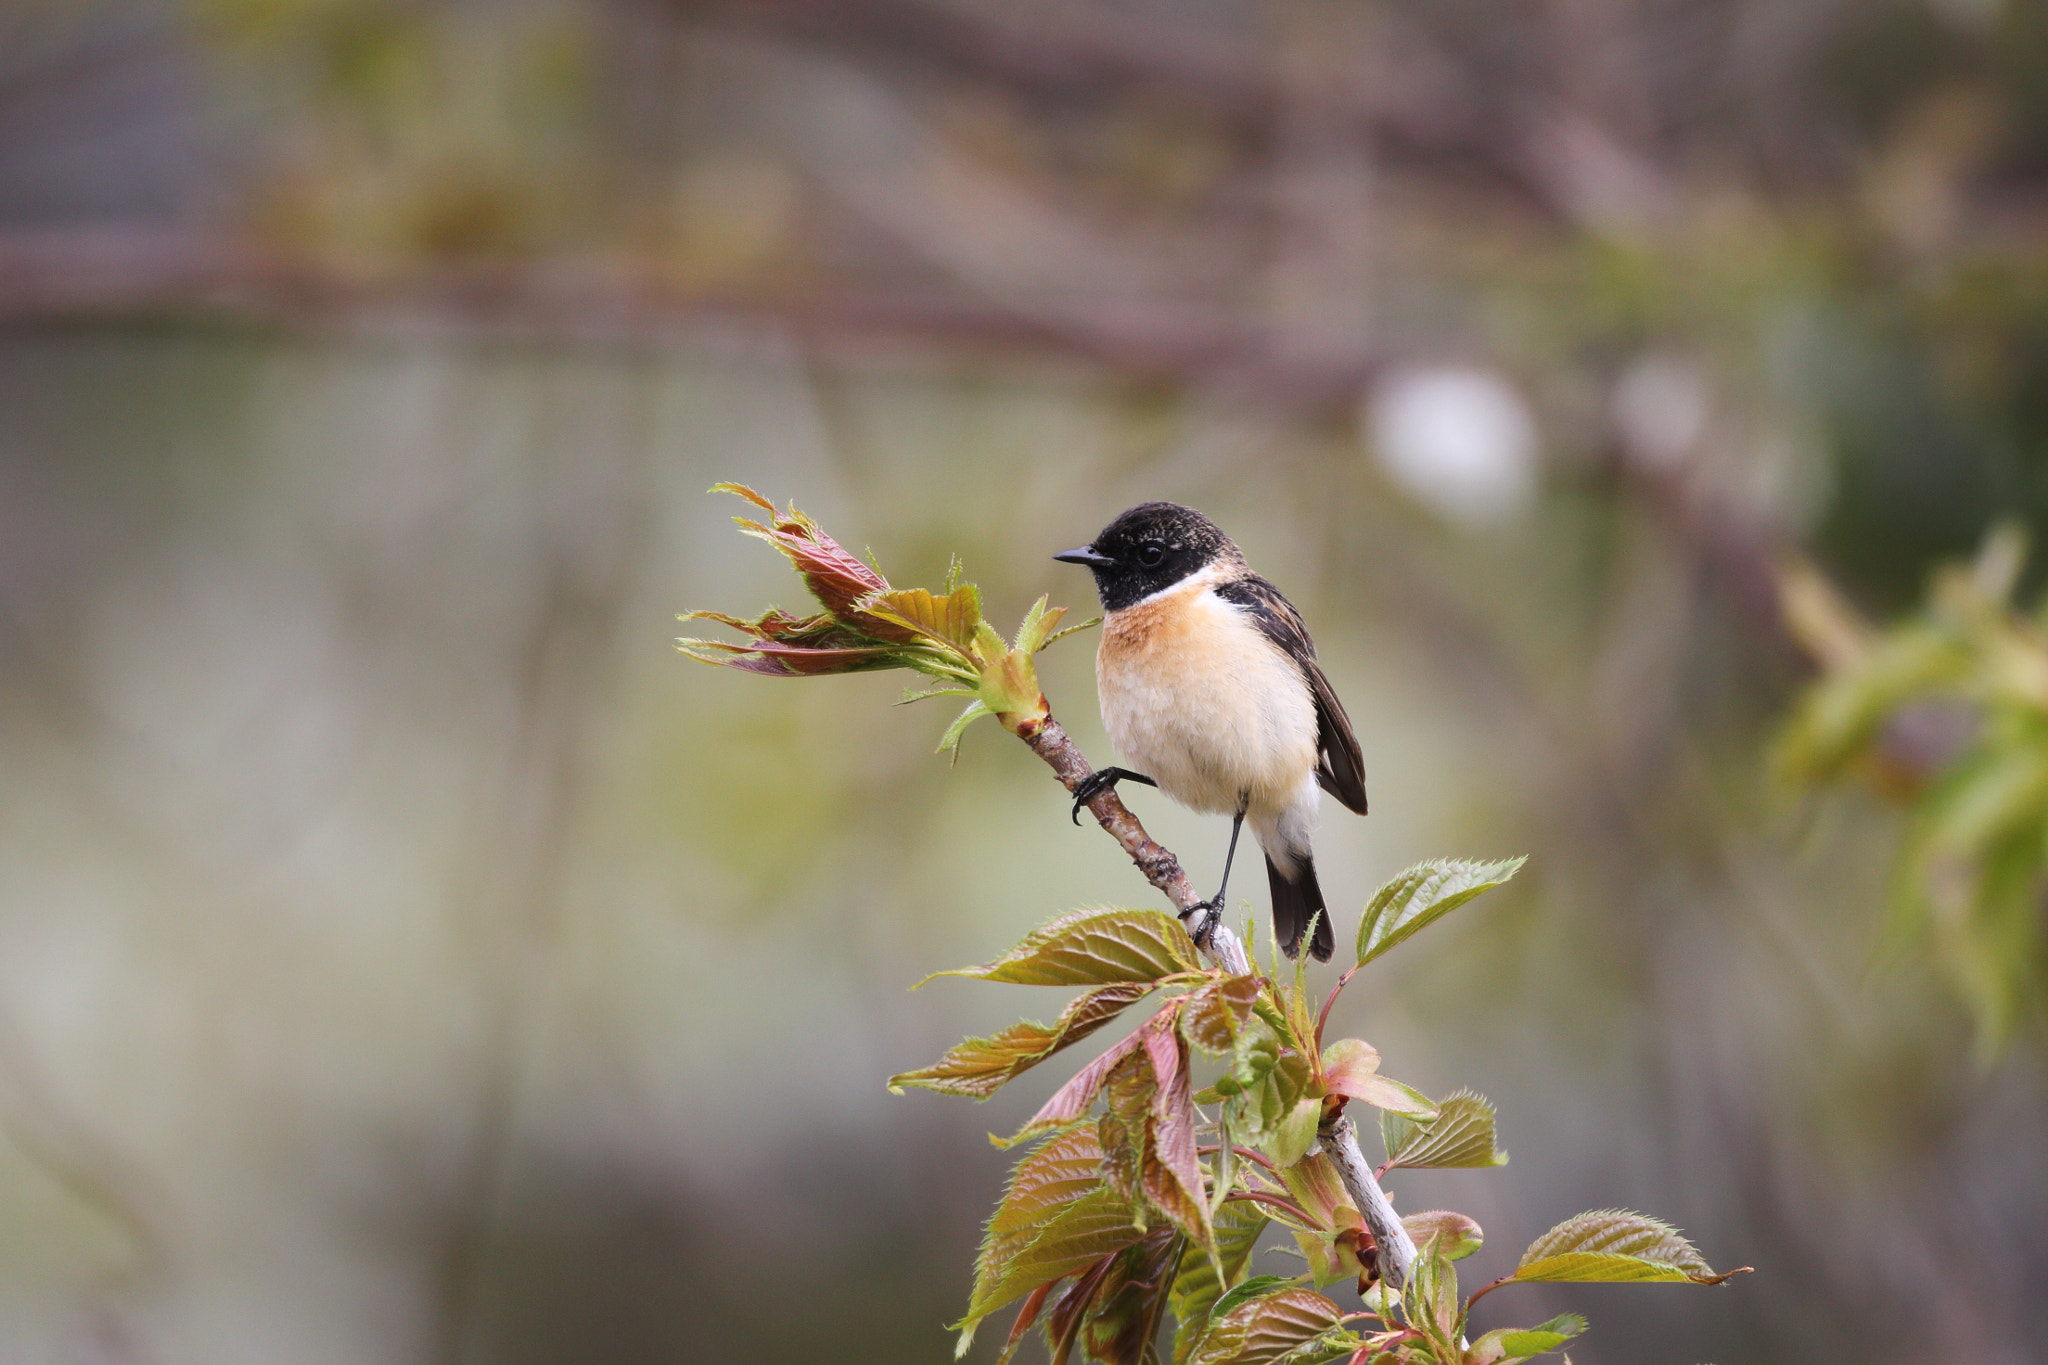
x: 1122, y: 1320
x: 1549, y: 1337
x: 1081, y: 1233
x: 1197, y: 1290
x: 1217, y: 1013
x: 950, y: 741
x: 1462, y: 1136
x: 981, y: 1066
x: 1431, y: 1303
x: 1271, y: 1327
x: 1507, y: 1344
x: 1032, y: 1234
x: 1351, y: 1069
x: 1093, y: 948
x: 1257, y: 1286
x: 1279, y: 1115
x: 1457, y: 1235
x: 1423, y: 895
x: 1613, y: 1246
x: 1038, y: 626
x: 948, y: 621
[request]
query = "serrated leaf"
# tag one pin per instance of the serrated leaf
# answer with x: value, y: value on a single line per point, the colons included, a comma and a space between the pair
x: 1074, y: 629
x: 1096, y: 1225
x: 1461, y: 1136
x: 1121, y: 1322
x: 1254, y: 1287
x: 1541, y: 1340
x: 1093, y: 948
x: 1351, y: 1069
x: 1614, y: 1246
x: 1422, y: 895
x: 1457, y: 1235
x: 950, y: 741
x: 1172, y: 1172
x: 1431, y: 1302
x: 1218, y: 1012
x: 1267, y: 1328
x: 1197, y: 1289
x: 1507, y: 1344
x: 1074, y: 1099
x: 979, y: 1067
x: 1038, y: 624
x: 1062, y: 1173
x: 950, y: 621
x: 1319, y: 1190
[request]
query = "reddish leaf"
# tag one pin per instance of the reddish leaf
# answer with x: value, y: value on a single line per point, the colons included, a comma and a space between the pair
x: 1173, y: 1177
x: 1073, y: 1099
x: 980, y: 1066
x: 1262, y: 1330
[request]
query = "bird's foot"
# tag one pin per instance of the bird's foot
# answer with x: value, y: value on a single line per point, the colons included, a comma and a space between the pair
x: 1202, y: 918
x: 1099, y: 781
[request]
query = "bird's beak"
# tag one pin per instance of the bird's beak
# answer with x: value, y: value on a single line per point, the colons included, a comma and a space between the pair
x: 1085, y: 555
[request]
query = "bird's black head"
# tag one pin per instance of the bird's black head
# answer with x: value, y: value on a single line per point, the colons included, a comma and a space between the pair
x: 1154, y: 545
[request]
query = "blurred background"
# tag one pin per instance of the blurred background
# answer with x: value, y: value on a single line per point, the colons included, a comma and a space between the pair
x: 406, y: 957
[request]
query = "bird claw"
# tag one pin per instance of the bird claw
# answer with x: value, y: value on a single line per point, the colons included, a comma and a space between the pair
x: 1099, y: 781
x: 1202, y: 918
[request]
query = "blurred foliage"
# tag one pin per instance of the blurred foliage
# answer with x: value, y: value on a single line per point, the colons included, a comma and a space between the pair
x: 1946, y: 714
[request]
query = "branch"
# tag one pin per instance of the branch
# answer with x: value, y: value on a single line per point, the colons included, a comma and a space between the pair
x: 1050, y: 741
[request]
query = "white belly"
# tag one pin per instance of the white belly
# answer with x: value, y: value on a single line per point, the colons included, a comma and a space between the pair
x: 1194, y: 696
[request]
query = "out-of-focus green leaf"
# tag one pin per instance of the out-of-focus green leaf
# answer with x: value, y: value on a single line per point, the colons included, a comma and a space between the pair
x: 980, y: 1066
x: 1197, y: 1290
x: 1093, y: 948
x: 1455, y: 1234
x: 1614, y: 1246
x: 1422, y: 895
x: 1351, y: 1069
x: 1461, y: 1136
x: 1270, y: 1327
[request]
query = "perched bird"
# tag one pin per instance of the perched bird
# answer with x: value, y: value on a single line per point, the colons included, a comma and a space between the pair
x: 1209, y: 685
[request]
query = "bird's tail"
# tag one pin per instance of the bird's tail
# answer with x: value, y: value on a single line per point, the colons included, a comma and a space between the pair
x: 1294, y: 901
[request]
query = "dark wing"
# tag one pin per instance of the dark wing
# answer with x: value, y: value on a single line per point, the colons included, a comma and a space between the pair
x: 1340, y: 766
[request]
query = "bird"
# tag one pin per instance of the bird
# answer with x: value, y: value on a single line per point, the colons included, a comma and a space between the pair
x: 1210, y: 689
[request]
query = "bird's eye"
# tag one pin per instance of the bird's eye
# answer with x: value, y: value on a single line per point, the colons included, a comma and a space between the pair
x: 1151, y: 554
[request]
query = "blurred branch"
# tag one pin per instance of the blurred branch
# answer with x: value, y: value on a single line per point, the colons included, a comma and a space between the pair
x: 61, y: 277
x: 1062, y: 47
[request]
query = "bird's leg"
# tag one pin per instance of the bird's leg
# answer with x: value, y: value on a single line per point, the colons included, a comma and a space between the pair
x: 1101, y: 780
x: 1209, y: 913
